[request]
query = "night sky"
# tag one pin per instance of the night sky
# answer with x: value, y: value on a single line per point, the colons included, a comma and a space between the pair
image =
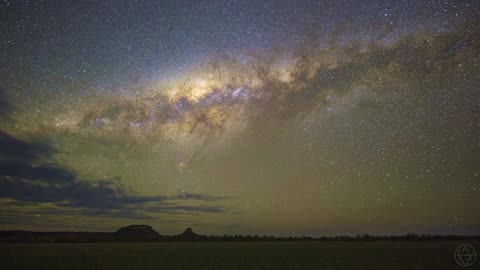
x: 255, y: 117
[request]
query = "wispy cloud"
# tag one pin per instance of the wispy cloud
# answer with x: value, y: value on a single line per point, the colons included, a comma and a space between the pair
x: 23, y: 181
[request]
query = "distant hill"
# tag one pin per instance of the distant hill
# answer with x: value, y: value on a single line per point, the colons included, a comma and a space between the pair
x: 137, y: 233
x: 187, y: 235
x: 145, y: 233
x: 50, y: 237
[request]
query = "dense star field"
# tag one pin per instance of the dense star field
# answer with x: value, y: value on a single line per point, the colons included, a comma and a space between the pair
x: 255, y: 117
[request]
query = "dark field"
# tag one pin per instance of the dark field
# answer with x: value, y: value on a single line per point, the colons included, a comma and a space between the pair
x: 233, y: 255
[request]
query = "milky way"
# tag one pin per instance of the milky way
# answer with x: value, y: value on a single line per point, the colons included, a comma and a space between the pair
x: 369, y: 124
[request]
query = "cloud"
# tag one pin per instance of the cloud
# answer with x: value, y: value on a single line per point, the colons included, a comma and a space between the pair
x: 173, y: 208
x: 24, y: 170
x: 13, y: 148
x: 196, y: 196
x: 23, y: 181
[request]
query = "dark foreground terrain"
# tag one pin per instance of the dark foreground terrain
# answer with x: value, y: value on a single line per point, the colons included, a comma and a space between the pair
x: 233, y: 255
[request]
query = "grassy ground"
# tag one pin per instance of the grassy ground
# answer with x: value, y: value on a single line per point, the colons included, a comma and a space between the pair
x: 234, y: 255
